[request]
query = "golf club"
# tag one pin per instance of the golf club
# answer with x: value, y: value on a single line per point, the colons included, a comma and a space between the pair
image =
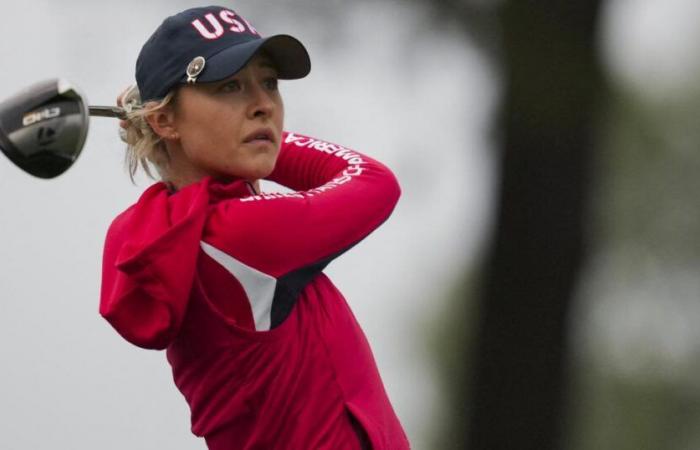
x: 43, y: 128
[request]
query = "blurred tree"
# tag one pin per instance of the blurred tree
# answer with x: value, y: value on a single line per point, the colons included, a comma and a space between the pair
x: 552, y: 92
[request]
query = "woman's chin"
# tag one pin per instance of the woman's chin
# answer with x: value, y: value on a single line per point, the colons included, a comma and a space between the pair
x: 263, y: 168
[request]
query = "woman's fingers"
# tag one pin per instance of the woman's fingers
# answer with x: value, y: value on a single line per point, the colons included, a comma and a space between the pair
x: 120, y: 102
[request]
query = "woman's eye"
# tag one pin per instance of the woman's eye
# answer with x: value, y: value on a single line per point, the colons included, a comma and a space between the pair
x: 231, y: 86
x: 271, y: 83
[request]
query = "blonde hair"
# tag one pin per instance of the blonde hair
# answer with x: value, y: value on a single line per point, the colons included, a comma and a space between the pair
x: 144, y: 147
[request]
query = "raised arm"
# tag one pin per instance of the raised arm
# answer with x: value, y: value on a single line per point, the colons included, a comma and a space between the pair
x: 276, y: 244
x: 340, y: 197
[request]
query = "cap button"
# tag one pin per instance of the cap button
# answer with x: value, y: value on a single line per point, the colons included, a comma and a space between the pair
x: 194, y: 68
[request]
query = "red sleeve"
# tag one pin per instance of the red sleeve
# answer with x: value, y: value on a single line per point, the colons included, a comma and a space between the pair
x: 341, y: 196
x: 149, y: 262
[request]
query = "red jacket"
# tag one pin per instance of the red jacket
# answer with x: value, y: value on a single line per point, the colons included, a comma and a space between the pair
x: 261, y: 343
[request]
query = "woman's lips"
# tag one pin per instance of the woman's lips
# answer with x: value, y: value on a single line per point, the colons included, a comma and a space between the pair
x: 260, y: 135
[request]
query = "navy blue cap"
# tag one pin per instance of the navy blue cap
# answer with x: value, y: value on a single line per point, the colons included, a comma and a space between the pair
x: 208, y: 44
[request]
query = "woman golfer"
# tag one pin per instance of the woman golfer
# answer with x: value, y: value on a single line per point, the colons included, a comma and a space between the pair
x: 229, y: 279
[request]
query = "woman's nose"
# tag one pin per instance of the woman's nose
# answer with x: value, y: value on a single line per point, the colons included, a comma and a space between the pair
x: 262, y: 104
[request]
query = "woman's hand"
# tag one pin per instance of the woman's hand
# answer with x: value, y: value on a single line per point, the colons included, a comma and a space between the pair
x: 123, y: 124
x: 120, y: 103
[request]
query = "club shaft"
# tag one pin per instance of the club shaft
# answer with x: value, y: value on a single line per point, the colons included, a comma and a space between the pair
x: 107, y: 111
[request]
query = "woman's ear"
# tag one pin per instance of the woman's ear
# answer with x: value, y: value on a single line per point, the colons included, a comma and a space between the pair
x: 162, y: 122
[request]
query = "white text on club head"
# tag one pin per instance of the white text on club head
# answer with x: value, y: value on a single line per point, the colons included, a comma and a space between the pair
x: 37, y: 116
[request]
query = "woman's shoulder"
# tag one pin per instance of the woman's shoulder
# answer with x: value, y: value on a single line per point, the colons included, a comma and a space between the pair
x: 159, y: 211
x: 144, y: 201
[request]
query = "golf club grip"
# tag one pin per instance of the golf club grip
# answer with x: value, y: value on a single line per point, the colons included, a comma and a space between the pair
x: 108, y: 111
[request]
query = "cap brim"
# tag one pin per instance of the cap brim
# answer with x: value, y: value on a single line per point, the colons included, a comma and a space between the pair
x: 286, y: 52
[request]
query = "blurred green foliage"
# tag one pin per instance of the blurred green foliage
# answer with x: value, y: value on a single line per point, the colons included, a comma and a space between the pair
x: 454, y: 328
x: 646, y: 198
x: 645, y: 213
x: 633, y: 413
